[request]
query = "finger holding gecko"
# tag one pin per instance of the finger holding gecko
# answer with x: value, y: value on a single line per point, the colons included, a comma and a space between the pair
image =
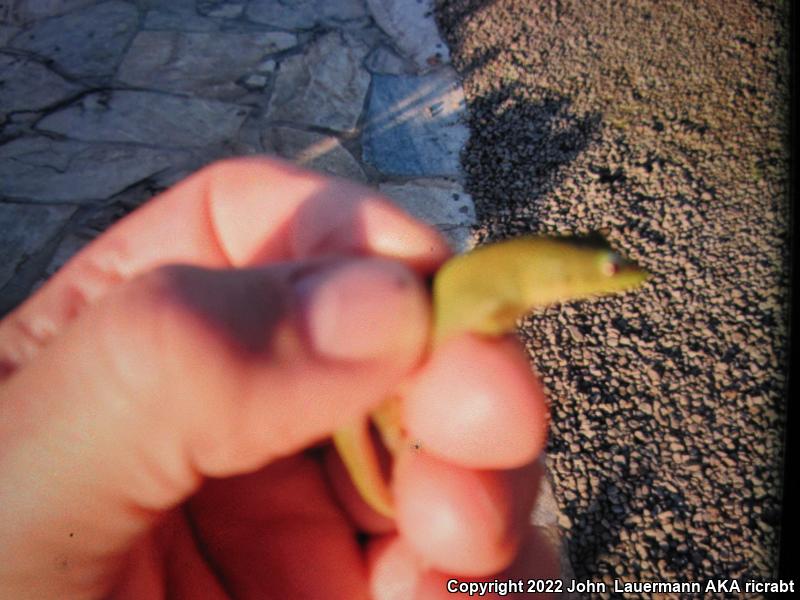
x: 461, y: 510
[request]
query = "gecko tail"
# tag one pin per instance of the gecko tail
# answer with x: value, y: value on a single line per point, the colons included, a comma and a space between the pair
x: 355, y: 446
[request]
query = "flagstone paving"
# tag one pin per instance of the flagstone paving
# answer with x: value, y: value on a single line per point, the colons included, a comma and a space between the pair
x: 105, y: 103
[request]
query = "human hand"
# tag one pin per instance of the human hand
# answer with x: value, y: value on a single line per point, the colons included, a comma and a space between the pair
x: 159, y: 391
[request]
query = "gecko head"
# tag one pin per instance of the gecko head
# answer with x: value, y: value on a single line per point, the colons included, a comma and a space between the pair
x: 601, y: 270
x: 620, y: 273
x: 488, y: 289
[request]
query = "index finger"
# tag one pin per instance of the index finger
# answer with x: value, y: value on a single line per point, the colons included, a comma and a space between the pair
x: 233, y: 213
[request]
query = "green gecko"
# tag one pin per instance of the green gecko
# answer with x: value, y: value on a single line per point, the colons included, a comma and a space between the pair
x: 486, y: 291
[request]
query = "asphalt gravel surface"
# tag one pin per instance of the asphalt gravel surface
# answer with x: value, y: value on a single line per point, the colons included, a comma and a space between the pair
x: 664, y: 125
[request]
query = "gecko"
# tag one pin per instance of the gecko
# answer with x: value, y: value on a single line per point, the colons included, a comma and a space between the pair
x: 486, y: 291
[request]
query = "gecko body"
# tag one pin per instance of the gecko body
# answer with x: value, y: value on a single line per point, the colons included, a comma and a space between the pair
x: 486, y: 291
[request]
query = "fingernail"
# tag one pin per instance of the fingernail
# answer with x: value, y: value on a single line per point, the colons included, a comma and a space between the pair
x: 363, y: 309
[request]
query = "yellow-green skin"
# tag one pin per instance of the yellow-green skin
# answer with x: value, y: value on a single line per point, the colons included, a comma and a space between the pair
x: 486, y: 291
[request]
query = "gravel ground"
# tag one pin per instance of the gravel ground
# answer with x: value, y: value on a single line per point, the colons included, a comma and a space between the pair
x: 665, y: 124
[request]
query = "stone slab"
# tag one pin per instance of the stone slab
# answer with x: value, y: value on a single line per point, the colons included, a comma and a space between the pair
x: 203, y: 63
x: 26, y: 228
x: 221, y: 9
x: 385, y: 61
x: 52, y: 171
x: 26, y: 84
x: 85, y: 43
x: 304, y: 14
x: 148, y: 118
x: 320, y: 152
x: 177, y: 15
x: 325, y: 86
x: 7, y: 32
x: 27, y: 11
x: 412, y: 29
x: 415, y: 124
x: 440, y: 203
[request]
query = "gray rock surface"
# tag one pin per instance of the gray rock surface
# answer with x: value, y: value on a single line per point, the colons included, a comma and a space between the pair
x: 26, y: 228
x: 201, y: 63
x: 178, y: 15
x: 211, y: 79
x: 88, y: 42
x: 25, y: 11
x: 304, y: 14
x: 414, y: 124
x: 325, y: 86
x: 26, y: 84
x: 7, y: 32
x: 441, y: 203
x: 53, y: 171
x: 147, y: 118
x: 385, y: 61
x: 411, y: 32
x: 323, y: 153
x: 438, y: 202
x: 221, y: 8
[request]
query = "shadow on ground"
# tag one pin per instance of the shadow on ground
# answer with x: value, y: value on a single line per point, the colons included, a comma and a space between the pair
x: 545, y: 135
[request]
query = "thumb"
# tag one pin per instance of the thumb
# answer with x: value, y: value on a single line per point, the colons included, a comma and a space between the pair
x: 176, y: 375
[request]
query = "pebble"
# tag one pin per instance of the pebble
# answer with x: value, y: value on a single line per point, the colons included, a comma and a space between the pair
x: 575, y: 334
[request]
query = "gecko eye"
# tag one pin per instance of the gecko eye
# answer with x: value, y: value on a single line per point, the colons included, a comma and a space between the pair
x: 611, y: 265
